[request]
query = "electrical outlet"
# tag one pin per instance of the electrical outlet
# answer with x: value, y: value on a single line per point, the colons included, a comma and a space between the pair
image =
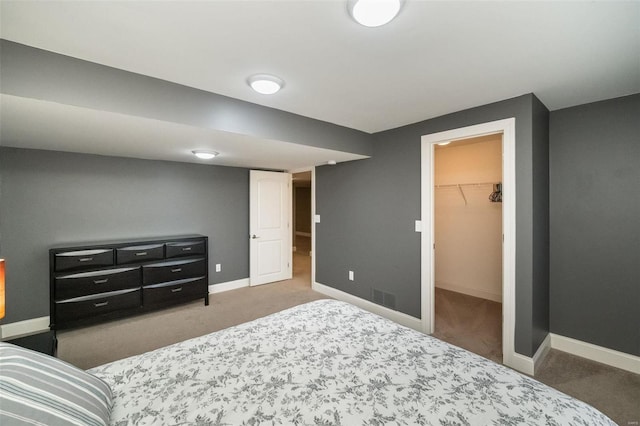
x: 350, y: 275
x: 218, y: 267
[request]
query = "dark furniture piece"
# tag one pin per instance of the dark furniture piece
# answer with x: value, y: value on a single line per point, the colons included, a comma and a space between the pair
x: 99, y: 282
x: 42, y: 342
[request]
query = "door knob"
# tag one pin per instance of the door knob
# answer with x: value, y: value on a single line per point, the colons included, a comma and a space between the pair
x: 253, y: 237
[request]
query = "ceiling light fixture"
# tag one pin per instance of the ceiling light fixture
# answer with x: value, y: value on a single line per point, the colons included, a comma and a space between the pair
x: 204, y: 154
x: 374, y: 13
x: 265, y: 83
x: 444, y: 143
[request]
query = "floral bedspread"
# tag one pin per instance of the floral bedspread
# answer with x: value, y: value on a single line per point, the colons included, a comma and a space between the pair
x: 329, y: 363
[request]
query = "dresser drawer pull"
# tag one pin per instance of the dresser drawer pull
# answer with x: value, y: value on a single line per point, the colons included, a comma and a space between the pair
x: 101, y: 281
x: 101, y: 304
x: 176, y: 270
x: 141, y: 253
x: 175, y: 290
x: 85, y: 259
x: 186, y: 249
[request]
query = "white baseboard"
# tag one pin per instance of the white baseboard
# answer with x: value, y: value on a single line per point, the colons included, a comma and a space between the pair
x: 24, y: 328
x: 399, y: 317
x: 521, y: 363
x: 529, y: 365
x: 579, y: 348
x: 470, y: 291
x: 541, y: 353
x: 230, y: 285
x: 596, y: 353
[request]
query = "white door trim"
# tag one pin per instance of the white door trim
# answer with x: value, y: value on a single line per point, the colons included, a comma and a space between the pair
x: 507, y: 128
x: 313, y: 225
x: 311, y: 169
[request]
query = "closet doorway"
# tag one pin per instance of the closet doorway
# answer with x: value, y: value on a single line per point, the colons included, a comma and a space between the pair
x: 506, y: 129
x: 468, y: 244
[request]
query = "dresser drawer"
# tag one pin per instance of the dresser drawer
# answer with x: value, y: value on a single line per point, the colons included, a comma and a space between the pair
x: 185, y: 248
x: 172, y: 270
x: 174, y: 291
x: 65, y: 261
x: 135, y: 254
x: 85, y: 283
x: 96, y: 304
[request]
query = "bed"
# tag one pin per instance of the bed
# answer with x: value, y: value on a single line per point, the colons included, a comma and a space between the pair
x: 328, y: 363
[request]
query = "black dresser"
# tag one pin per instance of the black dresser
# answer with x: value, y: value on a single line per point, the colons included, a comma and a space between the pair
x: 105, y: 281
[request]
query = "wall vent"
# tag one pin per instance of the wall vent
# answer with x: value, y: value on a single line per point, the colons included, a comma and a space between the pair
x: 383, y: 298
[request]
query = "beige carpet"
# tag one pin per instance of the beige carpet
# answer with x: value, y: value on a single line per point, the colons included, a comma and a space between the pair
x: 92, y: 346
x: 614, y: 392
x: 476, y: 325
x: 469, y: 322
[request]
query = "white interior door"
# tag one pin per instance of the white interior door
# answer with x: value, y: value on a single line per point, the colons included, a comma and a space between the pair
x: 269, y: 225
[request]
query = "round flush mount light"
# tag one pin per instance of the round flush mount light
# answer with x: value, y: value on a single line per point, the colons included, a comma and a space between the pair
x: 204, y: 154
x: 265, y: 84
x: 444, y: 143
x: 374, y: 13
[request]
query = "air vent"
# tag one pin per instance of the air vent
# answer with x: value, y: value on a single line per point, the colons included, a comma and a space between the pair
x: 378, y: 296
x: 383, y: 298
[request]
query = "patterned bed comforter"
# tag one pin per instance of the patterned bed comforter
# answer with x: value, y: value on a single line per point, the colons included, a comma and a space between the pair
x: 329, y: 363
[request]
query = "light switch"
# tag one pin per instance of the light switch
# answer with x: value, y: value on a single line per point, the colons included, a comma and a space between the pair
x: 418, y: 226
x: 316, y: 218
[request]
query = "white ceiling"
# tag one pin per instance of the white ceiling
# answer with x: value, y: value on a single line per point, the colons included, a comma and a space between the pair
x: 50, y: 126
x: 434, y: 58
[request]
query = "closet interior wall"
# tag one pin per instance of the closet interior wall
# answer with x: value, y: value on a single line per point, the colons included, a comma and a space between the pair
x: 468, y: 225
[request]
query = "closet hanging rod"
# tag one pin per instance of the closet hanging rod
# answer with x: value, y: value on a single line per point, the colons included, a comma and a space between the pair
x: 455, y: 185
x: 462, y: 193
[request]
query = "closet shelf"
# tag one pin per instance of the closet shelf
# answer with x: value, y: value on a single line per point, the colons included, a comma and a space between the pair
x: 460, y: 185
x: 455, y: 185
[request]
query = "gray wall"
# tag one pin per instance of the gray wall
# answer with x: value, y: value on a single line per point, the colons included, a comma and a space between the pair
x: 52, y: 198
x: 368, y: 208
x: 595, y: 223
x: 39, y: 74
x: 540, y: 263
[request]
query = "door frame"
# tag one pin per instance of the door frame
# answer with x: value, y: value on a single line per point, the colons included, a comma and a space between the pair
x: 427, y: 279
x: 311, y: 169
